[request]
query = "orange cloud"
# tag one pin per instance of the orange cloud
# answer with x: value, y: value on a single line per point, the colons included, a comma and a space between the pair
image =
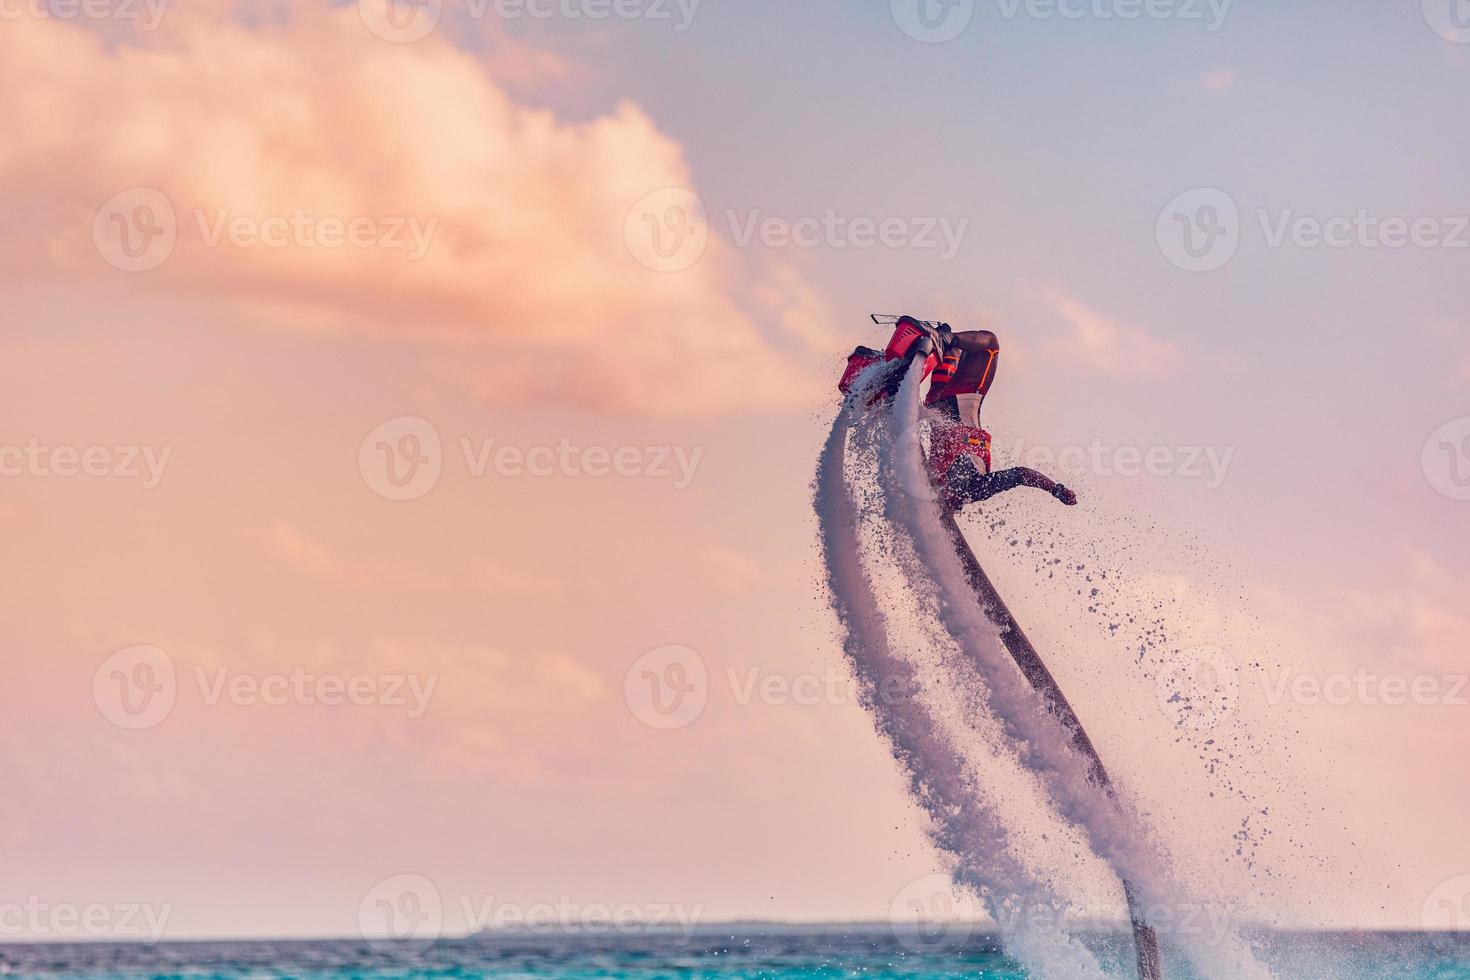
x: 317, y: 176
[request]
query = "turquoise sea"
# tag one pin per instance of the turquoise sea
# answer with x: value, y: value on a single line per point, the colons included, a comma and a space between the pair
x: 1411, y: 956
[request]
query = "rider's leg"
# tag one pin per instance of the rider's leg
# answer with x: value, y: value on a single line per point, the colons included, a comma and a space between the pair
x: 966, y: 484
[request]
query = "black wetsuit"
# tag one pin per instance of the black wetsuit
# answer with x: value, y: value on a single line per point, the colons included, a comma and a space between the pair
x: 965, y: 483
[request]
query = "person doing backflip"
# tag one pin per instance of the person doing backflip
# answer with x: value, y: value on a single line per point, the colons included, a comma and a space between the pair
x: 960, y: 368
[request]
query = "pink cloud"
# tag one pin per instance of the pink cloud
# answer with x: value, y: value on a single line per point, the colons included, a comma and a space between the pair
x: 480, y: 219
x: 313, y: 558
x: 502, y: 580
x: 1108, y: 345
x: 730, y: 570
x: 1217, y: 81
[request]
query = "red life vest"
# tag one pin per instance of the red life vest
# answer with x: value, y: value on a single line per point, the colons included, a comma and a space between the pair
x: 951, y: 440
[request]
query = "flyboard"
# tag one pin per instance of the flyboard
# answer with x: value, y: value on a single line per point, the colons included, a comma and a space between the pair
x: 1034, y: 669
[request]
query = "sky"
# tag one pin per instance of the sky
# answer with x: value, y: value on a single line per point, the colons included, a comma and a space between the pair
x: 388, y: 391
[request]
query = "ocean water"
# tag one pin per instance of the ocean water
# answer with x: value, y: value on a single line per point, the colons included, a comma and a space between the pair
x: 1411, y: 956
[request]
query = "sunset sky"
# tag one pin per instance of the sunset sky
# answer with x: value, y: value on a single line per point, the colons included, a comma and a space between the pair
x: 467, y: 354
